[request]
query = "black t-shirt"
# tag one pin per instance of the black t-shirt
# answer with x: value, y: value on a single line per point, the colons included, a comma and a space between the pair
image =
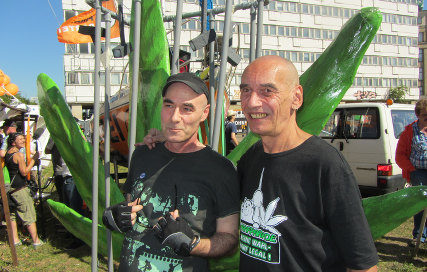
x: 301, y: 211
x: 202, y: 185
x: 16, y: 179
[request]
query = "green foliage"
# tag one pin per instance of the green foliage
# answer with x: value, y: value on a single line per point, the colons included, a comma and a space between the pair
x: 420, y: 4
x: 398, y: 94
x: 8, y: 99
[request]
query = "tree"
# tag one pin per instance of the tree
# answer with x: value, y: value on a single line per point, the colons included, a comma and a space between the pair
x: 398, y: 94
x: 8, y: 99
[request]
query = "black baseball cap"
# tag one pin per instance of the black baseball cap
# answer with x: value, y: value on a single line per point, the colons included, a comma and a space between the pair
x: 9, y: 123
x: 189, y: 79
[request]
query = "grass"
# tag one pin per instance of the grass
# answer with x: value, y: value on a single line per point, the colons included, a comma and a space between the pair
x: 393, y: 249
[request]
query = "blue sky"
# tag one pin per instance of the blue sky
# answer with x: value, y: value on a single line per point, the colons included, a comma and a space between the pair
x: 29, y: 45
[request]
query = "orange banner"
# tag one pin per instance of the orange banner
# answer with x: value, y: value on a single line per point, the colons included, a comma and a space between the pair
x: 68, y: 32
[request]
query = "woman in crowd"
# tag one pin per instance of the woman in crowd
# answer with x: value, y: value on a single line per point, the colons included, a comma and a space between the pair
x: 20, y: 193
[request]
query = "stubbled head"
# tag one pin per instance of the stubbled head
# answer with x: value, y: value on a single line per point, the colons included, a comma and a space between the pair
x: 270, y: 95
x: 185, y: 105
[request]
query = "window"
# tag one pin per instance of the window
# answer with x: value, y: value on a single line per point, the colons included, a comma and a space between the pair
x: 265, y: 30
x: 361, y: 123
x: 85, y: 78
x: 71, y: 48
x: 305, y: 32
x: 401, y: 118
x: 125, y: 79
x: 272, y: 30
x: 69, y: 14
x: 102, y: 78
x: 331, y: 128
x: 306, y: 57
x: 245, y: 53
x: 305, y: 8
x: 245, y: 28
x: 73, y: 78
x: 84, y: 48
x: 281, y: 31
x: 115, y: 78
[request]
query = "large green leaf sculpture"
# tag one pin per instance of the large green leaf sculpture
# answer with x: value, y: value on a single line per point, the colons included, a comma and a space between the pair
x: 324, y: 83
x: 75, y: 150
x: 153, y: 66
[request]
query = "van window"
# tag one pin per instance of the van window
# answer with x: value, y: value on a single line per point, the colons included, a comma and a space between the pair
x: 361, y: 123
x: 352, y: 123
x: 402, y: 118
x: 331, y: 128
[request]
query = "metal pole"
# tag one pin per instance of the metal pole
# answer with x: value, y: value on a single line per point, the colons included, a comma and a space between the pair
x: 253, y: 35
x: 107, y: 18
x: 7, y: 218
x: 170, y: 18
x: 176, y: 38
x: 135, y: 69
x: 94, y: 263
x: 222, y: 71
x: 260, y: 27
x: 204, y: 15
x: 420, y: 232
x: 212, y: 82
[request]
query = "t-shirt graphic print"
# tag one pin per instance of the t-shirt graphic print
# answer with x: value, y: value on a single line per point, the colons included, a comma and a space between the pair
x: 259, y: 239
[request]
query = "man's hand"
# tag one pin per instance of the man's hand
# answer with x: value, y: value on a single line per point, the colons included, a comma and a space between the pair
x: 174, y: 231
x: 154, y: 136
x: 122, y: 216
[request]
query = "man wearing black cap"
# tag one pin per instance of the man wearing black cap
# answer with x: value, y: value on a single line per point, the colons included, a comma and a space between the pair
x: 190, y: 187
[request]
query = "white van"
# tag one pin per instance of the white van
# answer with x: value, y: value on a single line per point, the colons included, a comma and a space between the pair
x: 367, y: 135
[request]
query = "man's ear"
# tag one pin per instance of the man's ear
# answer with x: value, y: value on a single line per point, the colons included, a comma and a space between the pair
x: 205, y: 113
x: 297, y: 97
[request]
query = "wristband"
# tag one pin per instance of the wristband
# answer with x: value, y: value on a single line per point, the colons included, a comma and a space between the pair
x: 195, y: 243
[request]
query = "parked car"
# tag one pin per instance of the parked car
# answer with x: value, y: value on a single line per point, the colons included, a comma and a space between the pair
x: 367, y: 135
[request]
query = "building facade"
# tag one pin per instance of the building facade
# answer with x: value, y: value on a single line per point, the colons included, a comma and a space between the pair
x: 422, y: 43
x: 297, y: 30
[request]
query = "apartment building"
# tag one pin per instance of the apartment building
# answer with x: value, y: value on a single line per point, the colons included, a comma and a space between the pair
x: 297, y: 30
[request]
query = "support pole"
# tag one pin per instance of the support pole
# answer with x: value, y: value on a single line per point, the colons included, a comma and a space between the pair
x: 212, y: 82
x: 420, y: 232
x: 204, y: 15
x: 260, y: 27
x: 176, y: 38
x: 252, y: 35
x: 222, y: 71
x: 7, y: 218
x: 95, y: 142
x: 135, y: 69
x: 107, y: 18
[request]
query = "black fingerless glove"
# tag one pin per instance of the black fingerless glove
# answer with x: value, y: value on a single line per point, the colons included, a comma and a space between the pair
x: 118, y: 217
x: 177, y: 234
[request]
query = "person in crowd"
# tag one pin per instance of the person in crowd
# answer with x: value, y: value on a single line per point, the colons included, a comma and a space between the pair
x: 299, y: 197
x: 230, y: 132
x: 411, y: 156
x: 9, y: 127
x: 190, y: 187
x: 19, y: 192
x: 64, y: 182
